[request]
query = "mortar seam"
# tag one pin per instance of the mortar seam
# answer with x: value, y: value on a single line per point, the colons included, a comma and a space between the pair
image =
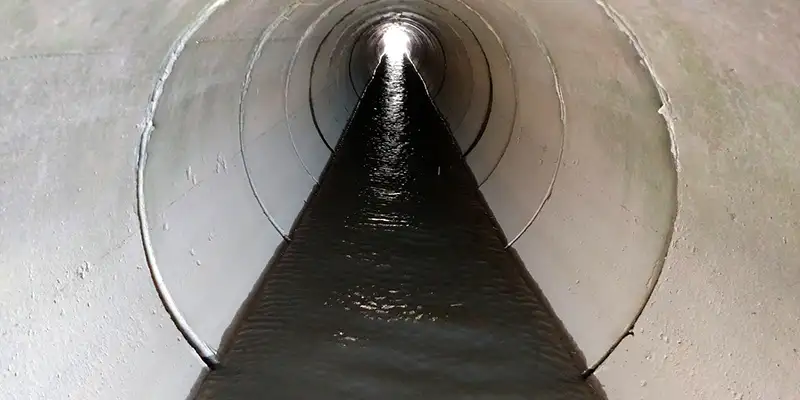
x: 666, y: 112
x: 203, y: 350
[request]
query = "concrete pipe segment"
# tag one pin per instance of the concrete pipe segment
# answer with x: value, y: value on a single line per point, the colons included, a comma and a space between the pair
x: 640, y: 157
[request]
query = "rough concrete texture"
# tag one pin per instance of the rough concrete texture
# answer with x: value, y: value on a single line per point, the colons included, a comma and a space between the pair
x: 80, y: 315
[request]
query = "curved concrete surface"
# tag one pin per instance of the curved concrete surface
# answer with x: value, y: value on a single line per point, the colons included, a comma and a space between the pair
x: 580, y: 108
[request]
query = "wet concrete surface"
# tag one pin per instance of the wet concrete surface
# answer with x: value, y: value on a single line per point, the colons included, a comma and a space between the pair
x: 396, y: 283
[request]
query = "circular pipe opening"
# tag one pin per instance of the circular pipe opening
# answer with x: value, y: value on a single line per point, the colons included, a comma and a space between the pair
x: 418, y: 35
x: 395, y: 41
x: 515, y: 159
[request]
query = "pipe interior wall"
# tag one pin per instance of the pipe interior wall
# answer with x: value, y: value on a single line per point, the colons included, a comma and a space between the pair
x: 397, y: 283
x: 622, y: 136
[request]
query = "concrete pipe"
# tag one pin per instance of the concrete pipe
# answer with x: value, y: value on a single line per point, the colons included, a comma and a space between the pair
x: 639, y: 157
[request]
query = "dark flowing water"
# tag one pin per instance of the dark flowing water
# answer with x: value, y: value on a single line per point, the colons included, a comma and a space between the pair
x: 396, y: 284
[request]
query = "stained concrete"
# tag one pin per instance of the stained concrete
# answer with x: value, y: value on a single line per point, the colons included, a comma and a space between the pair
x: 78, y: 85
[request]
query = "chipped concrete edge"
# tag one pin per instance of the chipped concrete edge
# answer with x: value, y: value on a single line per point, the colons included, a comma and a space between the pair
x: 666, y: 112
x: 203, y: 350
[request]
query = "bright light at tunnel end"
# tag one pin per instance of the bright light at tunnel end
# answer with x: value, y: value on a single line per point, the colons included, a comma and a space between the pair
x: 396, y: 42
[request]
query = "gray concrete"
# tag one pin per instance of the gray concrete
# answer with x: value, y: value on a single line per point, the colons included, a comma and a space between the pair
x: 715, y: 83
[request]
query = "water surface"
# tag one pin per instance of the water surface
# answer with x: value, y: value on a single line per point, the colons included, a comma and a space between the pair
x: 396, y: 284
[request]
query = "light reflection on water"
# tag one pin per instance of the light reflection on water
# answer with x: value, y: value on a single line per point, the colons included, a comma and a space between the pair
x: 385, y: 304
x: 389, y: 176
x: 396, y: 284
x: 389, y: 188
